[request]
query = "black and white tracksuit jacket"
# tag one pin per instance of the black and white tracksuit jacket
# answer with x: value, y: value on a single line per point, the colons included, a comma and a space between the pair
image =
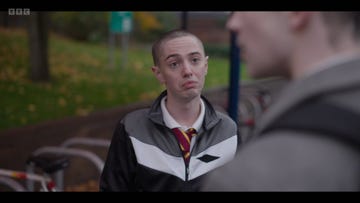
x: 144, y: 154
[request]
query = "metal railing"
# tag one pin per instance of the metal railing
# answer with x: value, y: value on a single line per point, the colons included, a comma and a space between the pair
x: 64, y: 149
x: 47, y: 184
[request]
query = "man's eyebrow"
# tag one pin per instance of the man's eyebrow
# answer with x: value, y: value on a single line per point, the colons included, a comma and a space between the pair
x: 176, y: 55
x: 195, y: 53
x: 172, y: 55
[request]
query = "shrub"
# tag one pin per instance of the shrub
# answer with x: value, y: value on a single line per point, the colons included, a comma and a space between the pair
x: 217, y: 50
x: 85, y: 26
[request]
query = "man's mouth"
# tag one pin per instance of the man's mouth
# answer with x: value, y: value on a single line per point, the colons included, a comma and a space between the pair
x: 189, y: 84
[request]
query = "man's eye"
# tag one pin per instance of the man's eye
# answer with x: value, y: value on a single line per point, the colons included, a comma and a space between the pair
x: 195, y: 60
x: 174, y: 65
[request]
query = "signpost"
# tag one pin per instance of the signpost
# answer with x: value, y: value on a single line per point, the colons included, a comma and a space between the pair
x: 120, y: 22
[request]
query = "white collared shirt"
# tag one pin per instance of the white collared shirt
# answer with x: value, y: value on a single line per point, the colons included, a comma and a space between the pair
x: 172, y: 123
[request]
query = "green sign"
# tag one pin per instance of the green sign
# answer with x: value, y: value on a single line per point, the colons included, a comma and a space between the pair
x: 121, y: 22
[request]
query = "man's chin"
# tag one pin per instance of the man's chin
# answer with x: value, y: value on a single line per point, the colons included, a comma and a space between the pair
x: 257, y: 74
x: 191, y: 93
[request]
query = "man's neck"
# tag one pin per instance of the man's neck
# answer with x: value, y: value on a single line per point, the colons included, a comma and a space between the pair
x: 313, y: 49
x: 326, y: 62
x: 185, y: 113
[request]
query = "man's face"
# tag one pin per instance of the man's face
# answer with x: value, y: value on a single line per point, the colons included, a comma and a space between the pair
x: 263, y: 40
x: 182, y: 67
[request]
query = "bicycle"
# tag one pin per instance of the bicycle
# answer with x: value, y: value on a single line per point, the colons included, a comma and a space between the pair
x: 56, y: 164
x: 7, y: 176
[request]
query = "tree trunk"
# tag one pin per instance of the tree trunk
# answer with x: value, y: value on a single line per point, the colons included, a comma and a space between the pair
x: 38, y: 43
x: 4, y: 19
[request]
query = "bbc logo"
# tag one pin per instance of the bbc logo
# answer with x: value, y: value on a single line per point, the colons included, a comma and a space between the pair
x: 19, y: 11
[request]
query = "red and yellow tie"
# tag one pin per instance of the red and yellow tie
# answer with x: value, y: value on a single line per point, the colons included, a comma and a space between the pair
x: 184, y: 139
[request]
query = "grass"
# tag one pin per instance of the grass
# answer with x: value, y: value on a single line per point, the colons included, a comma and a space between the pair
x: 81, y: 79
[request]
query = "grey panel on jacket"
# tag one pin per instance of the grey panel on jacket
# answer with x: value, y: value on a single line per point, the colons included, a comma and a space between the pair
x: 138, y: 125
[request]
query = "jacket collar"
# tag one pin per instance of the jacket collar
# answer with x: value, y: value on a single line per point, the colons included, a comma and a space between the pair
x: 155, y: 113
x: 337, y: 78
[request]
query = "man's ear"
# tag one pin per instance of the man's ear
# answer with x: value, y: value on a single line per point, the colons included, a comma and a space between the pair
x: 299, y: 19
x: 158, y: 74
x: 206, y: 64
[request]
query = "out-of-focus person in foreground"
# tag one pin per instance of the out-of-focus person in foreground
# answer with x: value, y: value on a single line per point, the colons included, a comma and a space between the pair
x: 309, y: 139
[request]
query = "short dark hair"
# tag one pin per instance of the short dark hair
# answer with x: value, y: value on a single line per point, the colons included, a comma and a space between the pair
x: 335, y: 19
x: 166, y: 37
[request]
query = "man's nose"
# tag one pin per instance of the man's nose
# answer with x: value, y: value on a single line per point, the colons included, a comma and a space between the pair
x: 187, y: 70
x: 232, y: 24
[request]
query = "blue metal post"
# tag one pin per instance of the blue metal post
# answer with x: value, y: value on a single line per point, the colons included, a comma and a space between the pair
x: 184, y: 20
x: 234, y: 78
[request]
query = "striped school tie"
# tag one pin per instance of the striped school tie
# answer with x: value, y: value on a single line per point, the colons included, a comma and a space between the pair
x: 184, y: 139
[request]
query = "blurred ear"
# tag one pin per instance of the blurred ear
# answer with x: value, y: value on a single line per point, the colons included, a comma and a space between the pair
x: 158, y: 74
x: 206, y: 64
x: 300, y: 19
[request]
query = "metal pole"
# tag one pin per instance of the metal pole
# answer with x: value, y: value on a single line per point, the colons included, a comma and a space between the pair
x: 124, y: 44
x: 234, y: 78
x: 184, y: 20
x: 86, y: 141
x: 111, y: 49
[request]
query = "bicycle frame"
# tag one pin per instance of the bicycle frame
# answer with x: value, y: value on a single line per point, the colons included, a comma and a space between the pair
x: 47, y: 184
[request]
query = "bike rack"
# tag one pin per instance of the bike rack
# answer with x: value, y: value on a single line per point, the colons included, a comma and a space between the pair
x: 46, y: 182
x: 253, y: 104
x: 12, y: 184
x: 98, y: 162
x: 86, y: 141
